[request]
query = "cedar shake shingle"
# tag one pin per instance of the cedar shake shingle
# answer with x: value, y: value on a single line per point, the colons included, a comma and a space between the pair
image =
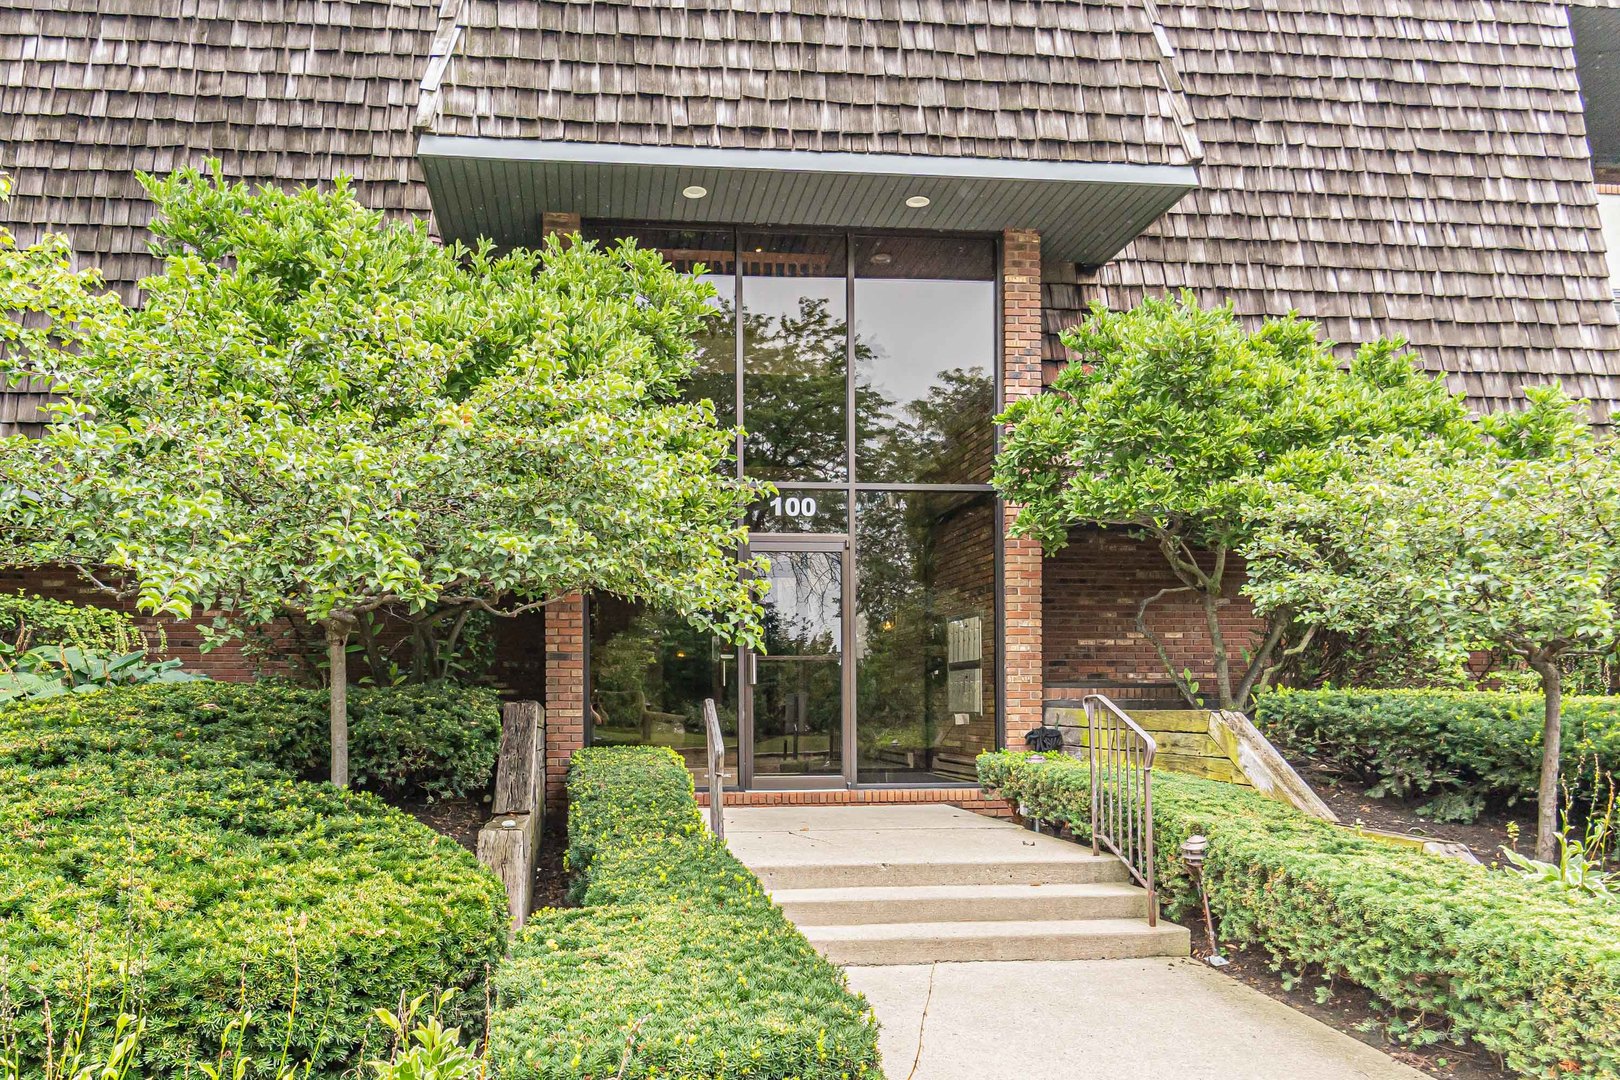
x: 283, y: 91
x: 1415, y: 169
x: 1410, y: 167
x: 1015, y: 79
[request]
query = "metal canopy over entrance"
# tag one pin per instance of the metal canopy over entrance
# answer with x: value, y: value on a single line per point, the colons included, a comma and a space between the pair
x: 498, y: 188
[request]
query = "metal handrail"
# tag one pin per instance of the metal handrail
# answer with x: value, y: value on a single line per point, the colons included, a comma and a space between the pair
x: 1121, y: 757
x: 717, y: 756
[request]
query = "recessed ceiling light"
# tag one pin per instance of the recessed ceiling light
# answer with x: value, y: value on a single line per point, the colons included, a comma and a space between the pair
x: 917, y: 202
x: 696, y: 191
x: 883, y: 258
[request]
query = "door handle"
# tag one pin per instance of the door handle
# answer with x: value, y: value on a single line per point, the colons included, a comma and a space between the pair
x: 753, y: 668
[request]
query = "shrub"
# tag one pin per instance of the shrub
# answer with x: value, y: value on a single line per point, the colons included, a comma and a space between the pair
x: 630, y: 793
x: 438, y: 739
x: 50, y: 671
x: 28, y: 622
x: 678, y: 965
x: 147, y: 849
x: 1526, y: 971
x: 1464, y: 748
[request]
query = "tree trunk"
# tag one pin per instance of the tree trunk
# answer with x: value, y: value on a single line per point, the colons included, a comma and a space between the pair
x: 1551, y: 747
x: 337, y: 662
x: 1259, y: 672
x: 375, y: 663
x: 1217, y: 644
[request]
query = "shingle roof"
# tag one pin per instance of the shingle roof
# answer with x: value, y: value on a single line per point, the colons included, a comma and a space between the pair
x: 1014, y: 79
x: 288, y: 91
x: 1411, y: 167
x: 1408, y: 167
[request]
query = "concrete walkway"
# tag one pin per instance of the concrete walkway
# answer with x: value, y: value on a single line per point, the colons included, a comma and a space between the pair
x: 926, y: 884
x: 1040, y: 1015
x: 1101, y: 1020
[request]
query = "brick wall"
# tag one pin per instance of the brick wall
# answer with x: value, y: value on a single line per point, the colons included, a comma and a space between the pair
x: 1092, y: 589
x: 1021, y: 559
x: 564, y: 648
x: 517, y: 670
x: 181, y: 639
x: 565, y: 692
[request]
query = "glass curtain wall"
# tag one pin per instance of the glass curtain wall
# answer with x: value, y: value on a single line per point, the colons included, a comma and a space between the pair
x: 864, y: 368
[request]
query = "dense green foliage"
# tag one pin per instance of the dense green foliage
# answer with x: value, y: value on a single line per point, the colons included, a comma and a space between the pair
x: 678, y: 965
x: 49, y: 671
x: 28, y: 621
x: 436, y: 740
x: 1530, y: 972
x: 147, y: 849
x: 1476, y: 747
x: 318, y: 413
x: 1503, y: 541
x: 52, y: 647
x: 1169, y: 422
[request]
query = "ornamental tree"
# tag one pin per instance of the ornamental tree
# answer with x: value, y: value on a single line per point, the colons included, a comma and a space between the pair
x: 317, y: 413
x: 1168, y: 422
x: 1509, y: 543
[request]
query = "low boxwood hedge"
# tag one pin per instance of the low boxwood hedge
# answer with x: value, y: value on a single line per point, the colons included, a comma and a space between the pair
x: 1527, y: 971
x: 435, y: 739
x: 678, y: 965
x: 150, y: 855
x: 1468, y: 748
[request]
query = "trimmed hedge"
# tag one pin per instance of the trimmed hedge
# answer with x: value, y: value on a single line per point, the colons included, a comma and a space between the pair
x: 678, y: 965
x: 1476, y: 747
x: 143, y: 828
x: 436, y: 739
x: 1530, y: 972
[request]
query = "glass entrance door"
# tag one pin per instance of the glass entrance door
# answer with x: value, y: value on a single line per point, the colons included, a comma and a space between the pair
x: 796, y: 712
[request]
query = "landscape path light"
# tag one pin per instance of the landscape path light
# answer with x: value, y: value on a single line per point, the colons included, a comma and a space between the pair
x: 1194, y: 850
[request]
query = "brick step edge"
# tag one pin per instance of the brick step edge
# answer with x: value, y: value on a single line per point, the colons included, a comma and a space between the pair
x: 966, y: 798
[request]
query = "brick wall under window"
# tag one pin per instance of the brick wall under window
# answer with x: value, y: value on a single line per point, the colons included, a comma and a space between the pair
x: 516, y: 668
x: 1092, y: 589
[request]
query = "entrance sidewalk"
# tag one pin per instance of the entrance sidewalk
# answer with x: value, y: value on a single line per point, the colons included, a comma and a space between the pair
x: 1033, y: 1016
x: 1101, y: 1020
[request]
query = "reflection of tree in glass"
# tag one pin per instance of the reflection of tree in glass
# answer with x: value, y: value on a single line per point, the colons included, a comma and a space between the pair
x: 803, y: 604
x: 831, y: 512
x: 945, y: 437
x: 793, y: 404
x: 714, y: 377
x: 649, y: 679
x: 902, y: 671
x: 926, y: 558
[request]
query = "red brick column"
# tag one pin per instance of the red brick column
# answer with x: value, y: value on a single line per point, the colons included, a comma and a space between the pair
x: 1021, y: 559
x: 565, y: 692
x: 565, y: 648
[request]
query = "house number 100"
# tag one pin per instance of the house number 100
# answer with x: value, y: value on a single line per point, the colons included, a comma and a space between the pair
x: 794, y: 506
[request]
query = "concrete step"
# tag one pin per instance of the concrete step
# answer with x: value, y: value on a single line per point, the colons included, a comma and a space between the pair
x: 962, y: 903
x: 1064, y: 868
x: 939, y: 942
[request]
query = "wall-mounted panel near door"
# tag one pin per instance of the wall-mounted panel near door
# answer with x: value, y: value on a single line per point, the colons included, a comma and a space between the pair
x: 796, y: 722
